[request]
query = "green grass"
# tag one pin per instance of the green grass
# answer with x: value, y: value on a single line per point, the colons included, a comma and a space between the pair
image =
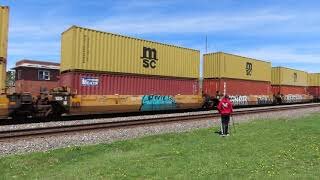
x: 273, y: 149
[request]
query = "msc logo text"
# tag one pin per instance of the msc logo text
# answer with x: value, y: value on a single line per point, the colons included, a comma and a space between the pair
x: 295, y: 77
x: 149, y: 57
x: 249, y: 69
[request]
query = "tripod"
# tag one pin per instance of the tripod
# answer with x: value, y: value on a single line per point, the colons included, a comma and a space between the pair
x: 233, y: 124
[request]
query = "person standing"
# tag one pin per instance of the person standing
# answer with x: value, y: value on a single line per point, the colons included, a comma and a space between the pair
x: 225, y: 108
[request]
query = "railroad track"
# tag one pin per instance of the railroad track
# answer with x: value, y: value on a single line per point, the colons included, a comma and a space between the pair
x: 54, y: 130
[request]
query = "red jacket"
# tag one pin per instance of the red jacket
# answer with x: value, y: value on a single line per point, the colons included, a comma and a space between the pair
x: 225, y: 107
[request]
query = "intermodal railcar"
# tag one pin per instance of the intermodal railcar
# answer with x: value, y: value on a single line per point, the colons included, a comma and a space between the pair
x: 103, y: 72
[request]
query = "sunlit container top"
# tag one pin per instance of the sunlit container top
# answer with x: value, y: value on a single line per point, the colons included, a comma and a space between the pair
x: 290, y: 77
x: 314, y: 79
x: 224, y: 65
x: 91, y: 50
x: 4, y: 18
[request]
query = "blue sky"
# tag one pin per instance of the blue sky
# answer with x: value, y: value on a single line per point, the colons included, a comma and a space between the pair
x: 286, y: 32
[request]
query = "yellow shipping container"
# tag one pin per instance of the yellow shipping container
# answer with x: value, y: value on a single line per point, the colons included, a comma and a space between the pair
x: 91, y: 50
x: 4, y: 22
x: 223, y: 65
x: 314, y: 79
x: 290, y: 77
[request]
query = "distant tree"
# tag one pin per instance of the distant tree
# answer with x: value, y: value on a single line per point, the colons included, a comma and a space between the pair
x: 10, y: 81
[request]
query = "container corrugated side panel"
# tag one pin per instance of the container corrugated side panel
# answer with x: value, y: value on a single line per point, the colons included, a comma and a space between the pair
x: 288, y: 89
x: 4, y: 24
x: 236, y: 87
x: 110, y: 84
x: 236, y: 67
x: 67, y: 50
x: 275, y: 76
x: 3, y: 76
x: 211, y: 64
x: 105, y: 52
x: 317, y: 82
x: 313, y: 79
x: 223, y: 65
x: 291, y: 77
x: 314, y: 91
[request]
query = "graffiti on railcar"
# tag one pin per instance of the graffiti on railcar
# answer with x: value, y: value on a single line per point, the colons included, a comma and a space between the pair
x: 157, y: 102
x: 250, y: 100
x: 239, y: 100
x: 292, y: 98
x: 263, y: 100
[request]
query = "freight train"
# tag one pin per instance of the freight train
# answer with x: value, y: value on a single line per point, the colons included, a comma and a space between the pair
x: 109, y: 73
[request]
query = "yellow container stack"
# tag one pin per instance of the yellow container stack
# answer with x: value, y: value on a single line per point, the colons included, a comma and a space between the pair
x: 223, y: 65
x: 289, y: 77
x: 4, y: 23
x: 90, y: 50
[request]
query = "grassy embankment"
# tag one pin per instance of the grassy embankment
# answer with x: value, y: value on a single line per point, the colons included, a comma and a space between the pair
x: 259, y: 149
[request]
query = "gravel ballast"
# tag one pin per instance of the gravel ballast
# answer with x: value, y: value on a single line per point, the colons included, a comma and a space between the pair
x: 109, y: 135
x: 118, y: 119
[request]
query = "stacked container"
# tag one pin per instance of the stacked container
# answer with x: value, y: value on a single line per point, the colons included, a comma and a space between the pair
x: 291, y: 84
x: 314, y: 85
x: 111, y: 72
x: 4, y: 23
x: 245, y: 80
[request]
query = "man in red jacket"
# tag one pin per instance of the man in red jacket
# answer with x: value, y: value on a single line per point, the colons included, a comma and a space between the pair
x: 225, y: 108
